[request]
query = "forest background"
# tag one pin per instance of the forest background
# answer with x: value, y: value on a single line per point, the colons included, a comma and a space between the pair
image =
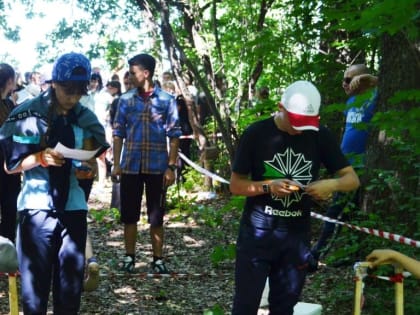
x: 233, y: 48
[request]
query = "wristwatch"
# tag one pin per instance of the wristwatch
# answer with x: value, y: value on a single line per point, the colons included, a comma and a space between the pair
x: 266, y: 188
x: 172, y: 167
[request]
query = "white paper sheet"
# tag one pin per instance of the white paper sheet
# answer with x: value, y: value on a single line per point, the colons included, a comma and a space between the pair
x: 82, y: 155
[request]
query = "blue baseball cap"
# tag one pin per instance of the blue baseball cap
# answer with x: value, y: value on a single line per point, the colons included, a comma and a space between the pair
x: 65, y: 64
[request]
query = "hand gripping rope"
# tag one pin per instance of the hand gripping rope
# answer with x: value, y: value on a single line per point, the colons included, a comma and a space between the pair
x: 360, y: 269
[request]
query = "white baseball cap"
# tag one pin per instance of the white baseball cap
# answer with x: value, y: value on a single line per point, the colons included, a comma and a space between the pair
x: 302, y: 100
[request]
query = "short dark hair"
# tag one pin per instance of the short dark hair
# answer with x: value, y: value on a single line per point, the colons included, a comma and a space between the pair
x: 144, y: 60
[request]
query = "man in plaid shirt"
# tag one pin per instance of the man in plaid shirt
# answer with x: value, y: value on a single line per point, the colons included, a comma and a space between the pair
x: 145, y: 118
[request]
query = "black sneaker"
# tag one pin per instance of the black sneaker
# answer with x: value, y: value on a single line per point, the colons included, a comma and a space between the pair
x: 158, y: 266
x: 127, y: 264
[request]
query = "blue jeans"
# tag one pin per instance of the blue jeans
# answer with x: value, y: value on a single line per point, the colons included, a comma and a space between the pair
x: 51, y: 247
x: 279, y: 254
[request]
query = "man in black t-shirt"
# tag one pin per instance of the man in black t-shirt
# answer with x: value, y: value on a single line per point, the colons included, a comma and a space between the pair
x: 277, y: 166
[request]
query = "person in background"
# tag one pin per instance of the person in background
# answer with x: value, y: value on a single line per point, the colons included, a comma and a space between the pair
x: 145, y: 118
x: 9, y: 183
x: 27, y: 77
x: 95, y: 86
x: 186, y: 138
x: 115, y: 90
x: 44, y: 83
x: 276, y: 167
x: 189, y: 82
x: 97, y: 70
x: 86, y: 173
x: 389, y: 256
x: 169, y: 87
x: 167, y: 76
x: 102, y: 100
x: 127, y: 82
x: 115, y: 77
x: 360, y: 86
x: 34, y: 84
x: 52, y: 208
x: 20, y: 84
x: 115, y: 191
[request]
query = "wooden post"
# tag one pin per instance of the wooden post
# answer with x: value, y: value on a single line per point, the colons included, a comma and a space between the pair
x: 399, y: 292
x: 360, y: 270
x: 13, y: 295
x: 398, y: 279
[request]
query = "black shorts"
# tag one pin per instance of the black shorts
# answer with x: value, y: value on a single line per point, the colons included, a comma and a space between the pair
x: 131, y: 192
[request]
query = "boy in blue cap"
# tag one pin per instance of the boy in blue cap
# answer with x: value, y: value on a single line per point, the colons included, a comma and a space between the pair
x: 52, y: 209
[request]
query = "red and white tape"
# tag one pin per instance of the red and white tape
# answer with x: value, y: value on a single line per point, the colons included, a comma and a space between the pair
x: 202, y: 170
x: 386, y: 235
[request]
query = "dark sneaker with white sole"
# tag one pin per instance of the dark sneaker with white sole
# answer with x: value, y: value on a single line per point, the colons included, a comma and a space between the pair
x: 127, y: 264
x: 158, y: 266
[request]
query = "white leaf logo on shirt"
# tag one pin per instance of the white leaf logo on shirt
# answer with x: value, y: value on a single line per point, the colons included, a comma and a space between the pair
x: 294, y: 166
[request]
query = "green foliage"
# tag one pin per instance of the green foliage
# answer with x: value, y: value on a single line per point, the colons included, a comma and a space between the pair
x: 113, y: 52
x: 215, y: 310
x: 386, y: 16
x: 405, y: 136
x: 105, y: 216
x: 183, y: 207
x: 222, y: 253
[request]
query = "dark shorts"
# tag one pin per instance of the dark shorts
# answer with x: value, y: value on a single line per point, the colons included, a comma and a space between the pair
x: 131, y: 192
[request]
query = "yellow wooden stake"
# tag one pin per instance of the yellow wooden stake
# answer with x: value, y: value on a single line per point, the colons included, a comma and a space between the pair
x: 360, y: 269
x: 399, y: 292
x: 13, y: 295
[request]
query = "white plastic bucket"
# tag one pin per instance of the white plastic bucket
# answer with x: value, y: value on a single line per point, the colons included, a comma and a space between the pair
x: 299, y: 309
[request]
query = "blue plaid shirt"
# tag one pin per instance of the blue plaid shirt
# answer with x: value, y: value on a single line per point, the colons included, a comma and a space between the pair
x: 145, y: 125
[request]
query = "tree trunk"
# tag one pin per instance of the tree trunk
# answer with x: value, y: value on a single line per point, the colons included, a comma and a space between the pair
x: 399, y: 70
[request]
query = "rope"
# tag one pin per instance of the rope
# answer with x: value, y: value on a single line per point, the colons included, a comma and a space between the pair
x: 172, y: 275
x: 202, y: 170
x: 397, y: 278
x: 379, y: 233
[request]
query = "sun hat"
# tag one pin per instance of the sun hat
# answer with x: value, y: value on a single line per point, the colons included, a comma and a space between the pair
x: 65, y: 64
x: 302, y: 100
